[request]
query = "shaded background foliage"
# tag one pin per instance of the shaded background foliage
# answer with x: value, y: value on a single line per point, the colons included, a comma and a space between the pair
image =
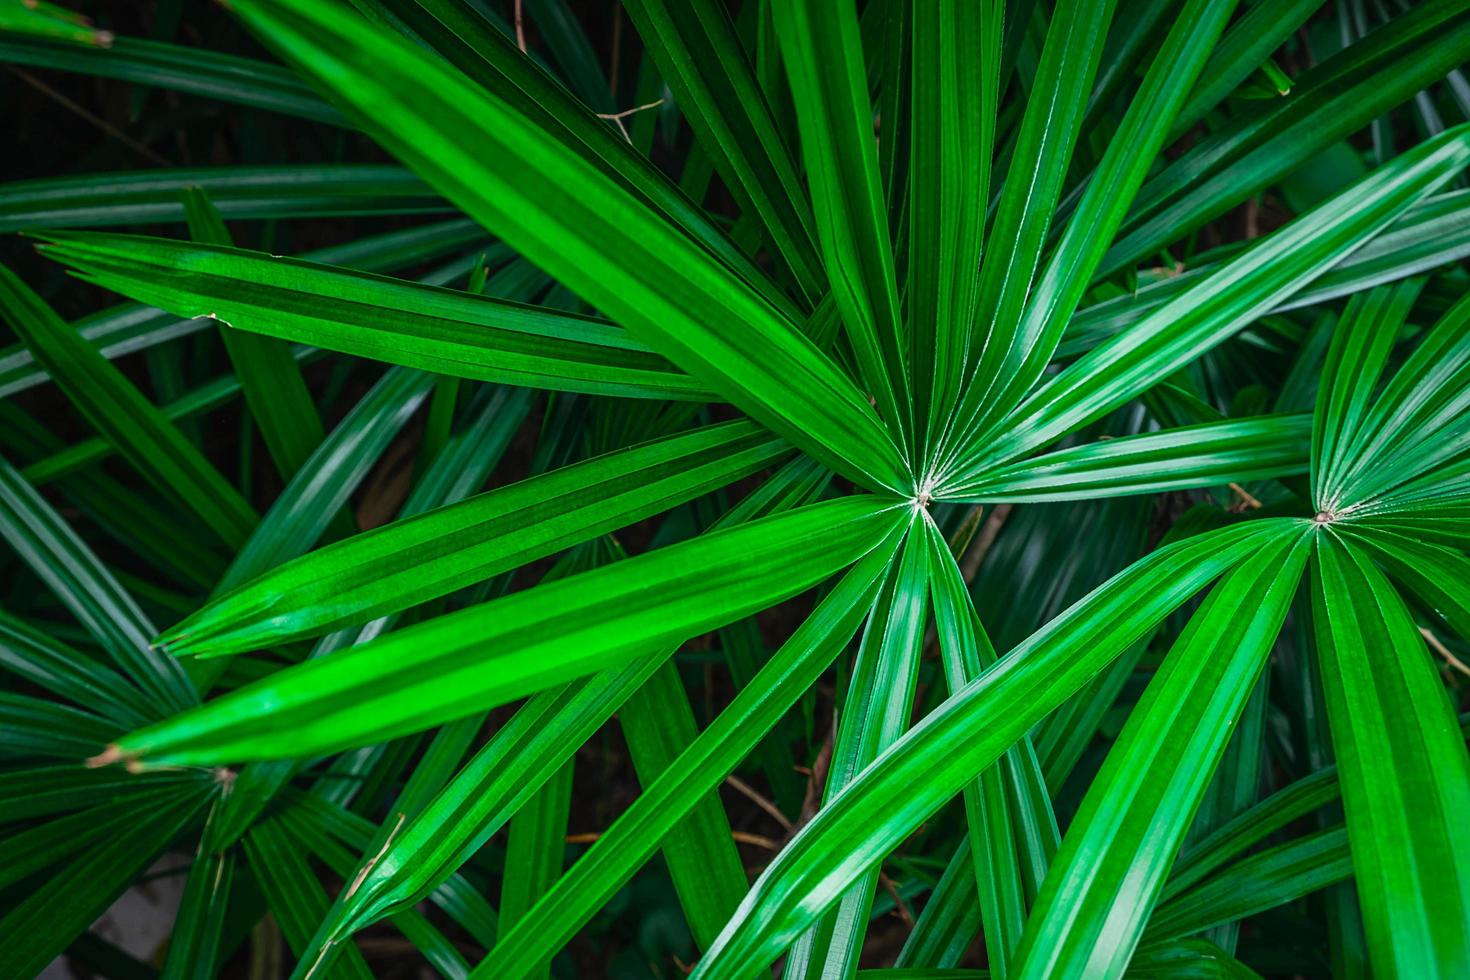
x: 60, y: 123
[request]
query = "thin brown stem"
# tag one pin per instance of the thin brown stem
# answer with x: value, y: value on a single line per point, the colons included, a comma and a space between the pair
x: 618, y: 117
x: 903, y: 910
x: 970, y: 564
x: 754, y: 795
x: 1246, y: 500
x: 95, y: 120
x: 1438, y: 647
x: 755, y: 840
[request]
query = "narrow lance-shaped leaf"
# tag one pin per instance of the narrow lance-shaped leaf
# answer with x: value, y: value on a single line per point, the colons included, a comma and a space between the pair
x: 213, y: 394
x: 52, y: 21
x: 78, y: 460
x: 1124, y: 59
x: 53, y: 914
x: 333, y: 837
x: 893, y: 22
x: 302, y: 512
x: 150, y: 529
x: 823, y: 56
x: 1361, y: 344
x: 89, y: 590
x: 955, y: 99
x: 694, y: 45
x: 1114, y: 858
x: 428, y: 327
x: 1060, y: 553
x: 437, y: 671
x: 1187, y: 958
x: 401, y: 564
x: 151, y: 196
x: 43, y: 660
x: 535, y: 849
x: 1110, y: 188
x: 1236, y: 783
x: 43, y: 792
x: 875, y: 712
x: 129, y: 327
x: 970, y: 731
x: 1215, y: 309
x: 208, y: 73
x: 1432, y: 233
x: 632, y: 838
x: 571, y: 49
x: 946, y: 927
x: 293, y: 891
x: 417, y: 860
x: 1336, y: 98
x: 699, y: 851
x: 1237, y: 835
x: 537, y: 742
x: 1403, y: 765
x: 588, y: 233
x: 194, y: 943
x: 1039, y: 162
x: 1262, y: 881
x: 1248, y: 42
x: 1438, y: 575
x: 1209, y: 454
x: 1414, y: 437
x: 25, y: 851
x: 994, y: 864
x: 269, y: 376
x: 322, y: 811
x: 35, y: 727
x: 463, y: 32
x: 461, y: 467
x: 119, y: 411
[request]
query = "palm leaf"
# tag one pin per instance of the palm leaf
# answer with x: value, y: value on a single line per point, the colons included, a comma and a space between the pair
x: 591, y: 234
x: 1388, y: 706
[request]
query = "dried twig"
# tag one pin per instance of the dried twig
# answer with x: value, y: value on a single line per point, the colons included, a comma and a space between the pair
x: 1246, y: 500
x: 618, y: 117
x: 755, y: 840
x: 970, y: 564
x: 90, y: 117
x: 817, y: 778
x: 902, y: 907
x: 1438, y: 647
x: 754, y: 795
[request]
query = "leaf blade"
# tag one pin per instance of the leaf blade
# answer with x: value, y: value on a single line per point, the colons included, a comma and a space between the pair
x: 119, y: 412
x: 432, y: 554
x: 538, y: 638
x: 1093, y: 908
x: 589, y: 233
x: 1390, y: 705
x: 938, y: 756
x: 426, y: 327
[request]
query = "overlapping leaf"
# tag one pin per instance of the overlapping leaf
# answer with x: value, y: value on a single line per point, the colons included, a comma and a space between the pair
x: 589, y: 233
